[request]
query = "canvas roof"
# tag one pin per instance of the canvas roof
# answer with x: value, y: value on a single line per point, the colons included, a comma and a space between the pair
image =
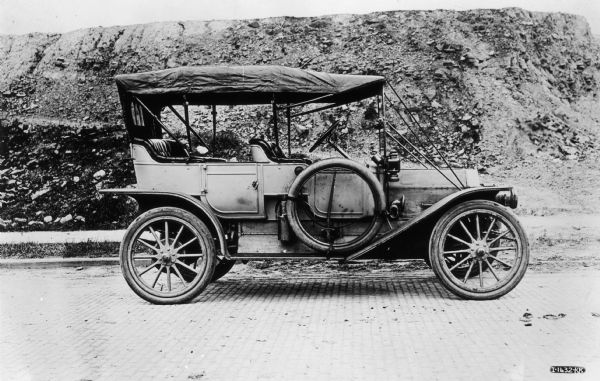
x: 231, y: 85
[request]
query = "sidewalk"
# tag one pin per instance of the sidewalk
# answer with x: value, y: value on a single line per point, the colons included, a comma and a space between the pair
x: 62, y: 236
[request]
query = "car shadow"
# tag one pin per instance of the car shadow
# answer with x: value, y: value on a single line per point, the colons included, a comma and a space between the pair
x: 232, y: 288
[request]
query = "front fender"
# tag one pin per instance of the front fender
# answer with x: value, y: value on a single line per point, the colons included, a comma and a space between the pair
x: 148, y: 199
x: 424, y: 222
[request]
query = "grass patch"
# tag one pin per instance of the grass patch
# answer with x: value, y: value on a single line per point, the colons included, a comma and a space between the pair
x: 61, y: 250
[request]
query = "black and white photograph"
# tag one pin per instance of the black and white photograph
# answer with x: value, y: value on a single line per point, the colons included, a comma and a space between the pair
x: 299, y: 190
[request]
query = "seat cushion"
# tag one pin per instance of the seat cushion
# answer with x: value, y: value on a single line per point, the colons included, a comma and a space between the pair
x: 168, y: 148
x: 274, y: 152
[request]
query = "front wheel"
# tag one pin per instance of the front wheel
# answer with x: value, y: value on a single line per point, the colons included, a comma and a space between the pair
x: 162, y: 245
x: 479, y: 250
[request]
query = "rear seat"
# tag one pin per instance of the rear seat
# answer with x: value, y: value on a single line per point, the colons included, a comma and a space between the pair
x: 168, y: 150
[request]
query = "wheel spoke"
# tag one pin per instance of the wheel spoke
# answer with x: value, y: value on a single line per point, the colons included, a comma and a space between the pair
x: 185, y: 244
x: 480, y: 274
x: 140, y: 240
x: 177, y: 236
x: 167, y: 233
x: 459, y: 263
x: 487, y: 233
x: 186, y: 266
x: 468, y: 272
x: 498, y: 237
x: 466, y: 231
x: 179, y: 275
x: 144, y: 257
x: 196, y: 255
x: 492, y: 270
x: 147, y: 269
x: 456, y: 251
x: 169, y: 278
x: 501, y: 261
x: 477, y: 227
x: 459, y: 240
x: 503, y: 248
x: 158, y: 275
x: 155, y: 237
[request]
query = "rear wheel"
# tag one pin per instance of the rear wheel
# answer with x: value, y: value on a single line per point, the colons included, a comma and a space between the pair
x: 479, y: 250
x: 158, y: 247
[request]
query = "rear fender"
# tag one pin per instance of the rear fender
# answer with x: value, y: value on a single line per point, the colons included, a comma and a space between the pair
x: 148, y: 199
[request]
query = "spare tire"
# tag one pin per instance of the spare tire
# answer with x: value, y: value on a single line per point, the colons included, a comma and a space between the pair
x: 329, y: 227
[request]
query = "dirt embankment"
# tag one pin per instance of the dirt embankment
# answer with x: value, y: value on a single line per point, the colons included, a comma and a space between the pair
x: 511, y: 91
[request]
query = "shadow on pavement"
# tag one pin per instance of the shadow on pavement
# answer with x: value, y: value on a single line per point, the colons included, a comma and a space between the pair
x: 304, y: 288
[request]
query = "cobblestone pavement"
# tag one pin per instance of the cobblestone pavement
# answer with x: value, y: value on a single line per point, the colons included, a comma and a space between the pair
x: 64, y: 324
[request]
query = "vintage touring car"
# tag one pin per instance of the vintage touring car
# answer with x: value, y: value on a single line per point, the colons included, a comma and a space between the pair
x: 199, y: 214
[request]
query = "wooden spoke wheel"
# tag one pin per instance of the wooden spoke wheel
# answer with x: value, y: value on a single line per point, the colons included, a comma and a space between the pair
x: 479, y: 250
x: 162, y: 245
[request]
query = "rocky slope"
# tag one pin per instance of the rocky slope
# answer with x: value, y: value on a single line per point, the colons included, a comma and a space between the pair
x: 512, y: 91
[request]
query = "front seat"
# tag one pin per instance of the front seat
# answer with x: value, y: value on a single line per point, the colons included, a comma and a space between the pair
x: 263, y: 152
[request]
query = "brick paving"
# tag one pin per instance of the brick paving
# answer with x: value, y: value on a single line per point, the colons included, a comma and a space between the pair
x: 63, y: 324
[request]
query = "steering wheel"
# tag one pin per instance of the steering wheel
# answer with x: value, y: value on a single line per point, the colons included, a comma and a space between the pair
x: 325, y: 135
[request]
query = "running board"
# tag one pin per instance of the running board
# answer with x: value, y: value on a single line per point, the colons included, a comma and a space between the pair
x: 489, y: 193
x: 284, y: 256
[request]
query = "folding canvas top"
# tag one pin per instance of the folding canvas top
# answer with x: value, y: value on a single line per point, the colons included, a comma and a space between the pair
x: 236, y: 85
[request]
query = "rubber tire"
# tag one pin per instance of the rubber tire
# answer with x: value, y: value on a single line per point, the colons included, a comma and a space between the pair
x: 365, y: 174
x: 222, y: 268
x: 204, y: 236
x: 436, y: 239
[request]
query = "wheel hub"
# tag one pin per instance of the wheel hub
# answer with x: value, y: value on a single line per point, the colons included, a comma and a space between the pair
x: 479, y: 250
x: 167, y: 256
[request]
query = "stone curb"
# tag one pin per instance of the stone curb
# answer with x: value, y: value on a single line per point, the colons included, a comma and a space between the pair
x: 62, y: 236
x: 53, y: 263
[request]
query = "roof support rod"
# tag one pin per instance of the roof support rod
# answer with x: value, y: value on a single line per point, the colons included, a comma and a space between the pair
x: 275, y: 128
x: 314, y: 100
x: 289, y: 137
x: 156, y: 119
x: 214, y: 122
x: 315, y: 110
x: 435, y: 166
x: 187, y: 125
x: 381, y: 103
x: 404, y: 147
x: 426, y: 136
x: 408, y: 125
x: 186, y: 105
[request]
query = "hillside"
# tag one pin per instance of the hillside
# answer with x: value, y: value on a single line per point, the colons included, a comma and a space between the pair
x: 511, y: 91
